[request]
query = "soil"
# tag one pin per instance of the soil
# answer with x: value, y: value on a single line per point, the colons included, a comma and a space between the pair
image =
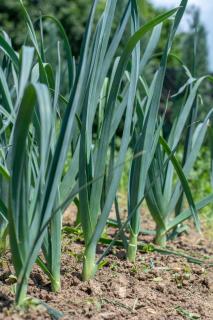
x: 156, y: 287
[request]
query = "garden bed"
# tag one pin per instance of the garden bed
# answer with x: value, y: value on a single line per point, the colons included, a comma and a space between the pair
x: 157, y: 286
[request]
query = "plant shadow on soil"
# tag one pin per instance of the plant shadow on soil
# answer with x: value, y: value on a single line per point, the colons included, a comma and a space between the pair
x: 156, y: 287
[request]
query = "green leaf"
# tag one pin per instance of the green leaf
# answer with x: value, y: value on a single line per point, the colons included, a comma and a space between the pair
x: 183, y: 180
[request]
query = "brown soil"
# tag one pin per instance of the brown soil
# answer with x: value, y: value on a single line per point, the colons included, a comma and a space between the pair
x: 156, y: 287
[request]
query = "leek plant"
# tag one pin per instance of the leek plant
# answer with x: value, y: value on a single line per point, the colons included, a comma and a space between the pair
x: 21, y: 125
x: 4, y: 144
x: 95, y: 204
x: 147, y: 133
x: 96, y: 200
x: 29, y: 78
x: 29, y: 156
x: 164, y: 197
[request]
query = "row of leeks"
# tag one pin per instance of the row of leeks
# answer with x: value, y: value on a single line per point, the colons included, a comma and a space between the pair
x: 44, y: 117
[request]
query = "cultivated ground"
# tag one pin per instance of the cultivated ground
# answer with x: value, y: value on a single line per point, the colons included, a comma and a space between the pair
x: 156, y: 287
